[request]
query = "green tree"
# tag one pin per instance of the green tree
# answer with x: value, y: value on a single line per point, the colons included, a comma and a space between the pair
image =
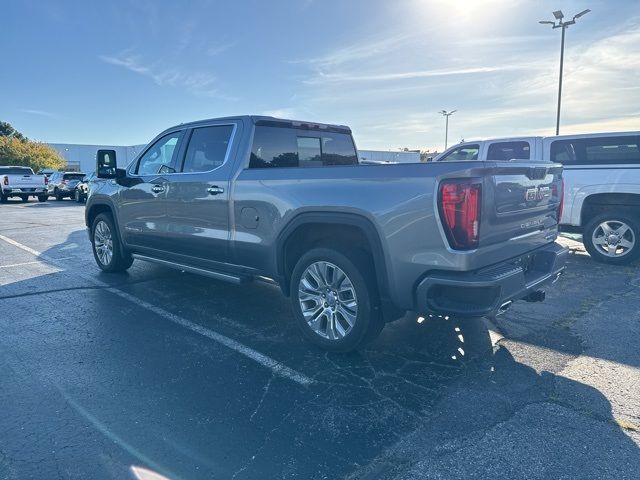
x: 16, y: 149
x: 6, y: 130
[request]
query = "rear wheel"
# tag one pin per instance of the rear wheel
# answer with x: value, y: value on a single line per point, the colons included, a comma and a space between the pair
x: 107, y: 249
x: 335, y: 298
x: 24, y: 198
x: 3, y: 199
x: 78, y: 196
x: 57, y: 194
x: 43, y: 198
x: 613, y: 238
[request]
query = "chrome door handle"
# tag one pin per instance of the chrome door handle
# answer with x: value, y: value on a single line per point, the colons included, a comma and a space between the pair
x: 215, y: 190
x: 157, y: 189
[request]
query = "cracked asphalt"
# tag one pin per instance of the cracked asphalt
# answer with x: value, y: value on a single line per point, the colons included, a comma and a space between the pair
x: 163, y: 373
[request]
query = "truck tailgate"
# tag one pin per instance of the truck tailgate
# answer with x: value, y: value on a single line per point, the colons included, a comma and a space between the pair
x: 521, y: 202
x: 25, y: 181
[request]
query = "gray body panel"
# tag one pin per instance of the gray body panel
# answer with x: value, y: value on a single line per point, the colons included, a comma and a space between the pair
x: 243, y: 228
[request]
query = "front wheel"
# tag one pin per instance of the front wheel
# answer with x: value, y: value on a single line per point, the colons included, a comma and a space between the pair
x: 58, y: 195
x: 78, y: 196
x: 335, y: 298
x: 107, y: 249
x: 43, y: 198
x: 24, y: 198
x: 613, y: 238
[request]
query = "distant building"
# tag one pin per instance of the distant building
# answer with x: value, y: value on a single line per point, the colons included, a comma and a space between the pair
x: 82, y: 158
x: 389, y: 156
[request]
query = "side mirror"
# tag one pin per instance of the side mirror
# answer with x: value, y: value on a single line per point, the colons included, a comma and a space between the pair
x: 106, y: 166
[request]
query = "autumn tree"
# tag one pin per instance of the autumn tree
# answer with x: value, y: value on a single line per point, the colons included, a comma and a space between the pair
x: 16, y: 149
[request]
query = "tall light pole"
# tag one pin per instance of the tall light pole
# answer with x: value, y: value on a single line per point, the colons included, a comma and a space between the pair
x: 446, y: 128
x: 563, y: 25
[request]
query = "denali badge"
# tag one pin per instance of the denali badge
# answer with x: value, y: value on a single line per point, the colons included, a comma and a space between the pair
x: 533, y: 194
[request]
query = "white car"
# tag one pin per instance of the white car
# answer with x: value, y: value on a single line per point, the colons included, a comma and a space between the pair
x: 601, y: 184
x: 22, y: 182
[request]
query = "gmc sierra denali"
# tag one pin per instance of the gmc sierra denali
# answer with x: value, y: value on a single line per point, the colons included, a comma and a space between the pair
x: 249, y: 197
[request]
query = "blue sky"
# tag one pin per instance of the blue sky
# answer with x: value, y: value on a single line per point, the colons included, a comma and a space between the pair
x: 119, y: 71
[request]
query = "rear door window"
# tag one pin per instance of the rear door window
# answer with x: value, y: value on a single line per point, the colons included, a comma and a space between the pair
x: 207, y: 148
x: 273, y: 147
x: 596, y: 151
x: 465, y: 152
x: 519, y: 150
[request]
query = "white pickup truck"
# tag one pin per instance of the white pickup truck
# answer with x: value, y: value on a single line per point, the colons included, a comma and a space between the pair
x: 601, y: 184
x: 22, y: 182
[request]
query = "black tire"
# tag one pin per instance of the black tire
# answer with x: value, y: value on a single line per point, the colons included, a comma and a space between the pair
x: 24, y: 198
x: 58, y: 195
x: 3, y: 199
x: 43, y: 198
x: 78, y: 196
x: 615, y: 218
x: 119, y: 262
x: 357, y: 266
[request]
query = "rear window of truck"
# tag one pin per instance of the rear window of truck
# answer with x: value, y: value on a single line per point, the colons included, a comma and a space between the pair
x: 15, y: 171
x: 519, y: 150
x: 73, y: 176
x: 596, y: 151
x: 292, y: 147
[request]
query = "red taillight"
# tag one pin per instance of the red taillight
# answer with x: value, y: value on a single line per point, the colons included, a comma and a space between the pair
x: 46, y: 180
x: 5, y: 180
x: 561, y: 206
x: 459, y: 204
x: 558, y: 190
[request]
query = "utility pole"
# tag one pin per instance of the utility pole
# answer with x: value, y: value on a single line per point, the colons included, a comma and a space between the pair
x: 446, y: 128
x: 563, y: 25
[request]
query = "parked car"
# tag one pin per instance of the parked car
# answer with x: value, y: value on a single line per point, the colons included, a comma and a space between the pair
x: 245, y: 198
x: 23, y: 183
x: 602, y: 184
x: 63, y: 184
x: 81, y: 192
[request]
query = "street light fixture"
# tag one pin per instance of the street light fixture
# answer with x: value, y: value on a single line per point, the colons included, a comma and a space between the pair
x: 446, y: 128
x: 564, y: 25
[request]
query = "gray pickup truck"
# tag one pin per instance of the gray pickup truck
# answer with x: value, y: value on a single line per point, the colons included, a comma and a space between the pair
x: 354, y: 246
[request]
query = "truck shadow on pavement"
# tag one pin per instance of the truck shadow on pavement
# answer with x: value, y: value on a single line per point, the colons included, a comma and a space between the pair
x: 430, y: 398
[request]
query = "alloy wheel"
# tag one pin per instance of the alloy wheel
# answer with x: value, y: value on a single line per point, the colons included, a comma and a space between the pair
x: 328, y: 300
x: 103, y: 243
x: 613, y: 238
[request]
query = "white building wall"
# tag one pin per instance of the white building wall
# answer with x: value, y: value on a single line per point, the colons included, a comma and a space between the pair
x: 83, y: 157
x: 384, y: 156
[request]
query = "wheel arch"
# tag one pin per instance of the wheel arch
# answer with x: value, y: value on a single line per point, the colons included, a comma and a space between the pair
x: 599, y: 202
x: 95, y: 209
x: 344, y: 225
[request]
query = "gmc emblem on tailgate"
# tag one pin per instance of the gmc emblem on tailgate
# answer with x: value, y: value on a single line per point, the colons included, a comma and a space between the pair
x: 533, y: 194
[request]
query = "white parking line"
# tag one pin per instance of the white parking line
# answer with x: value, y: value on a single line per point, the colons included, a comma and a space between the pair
x: 264, y: 360
x: 18, y: 264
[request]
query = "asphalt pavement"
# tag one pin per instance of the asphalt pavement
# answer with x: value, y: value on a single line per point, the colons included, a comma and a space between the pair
x: 158, y: 373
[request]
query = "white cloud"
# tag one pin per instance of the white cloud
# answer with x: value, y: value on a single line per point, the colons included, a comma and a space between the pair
x: 198, y: 83
x: 350, y: 77
x: 358, y: 51
x: 40, y: 113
